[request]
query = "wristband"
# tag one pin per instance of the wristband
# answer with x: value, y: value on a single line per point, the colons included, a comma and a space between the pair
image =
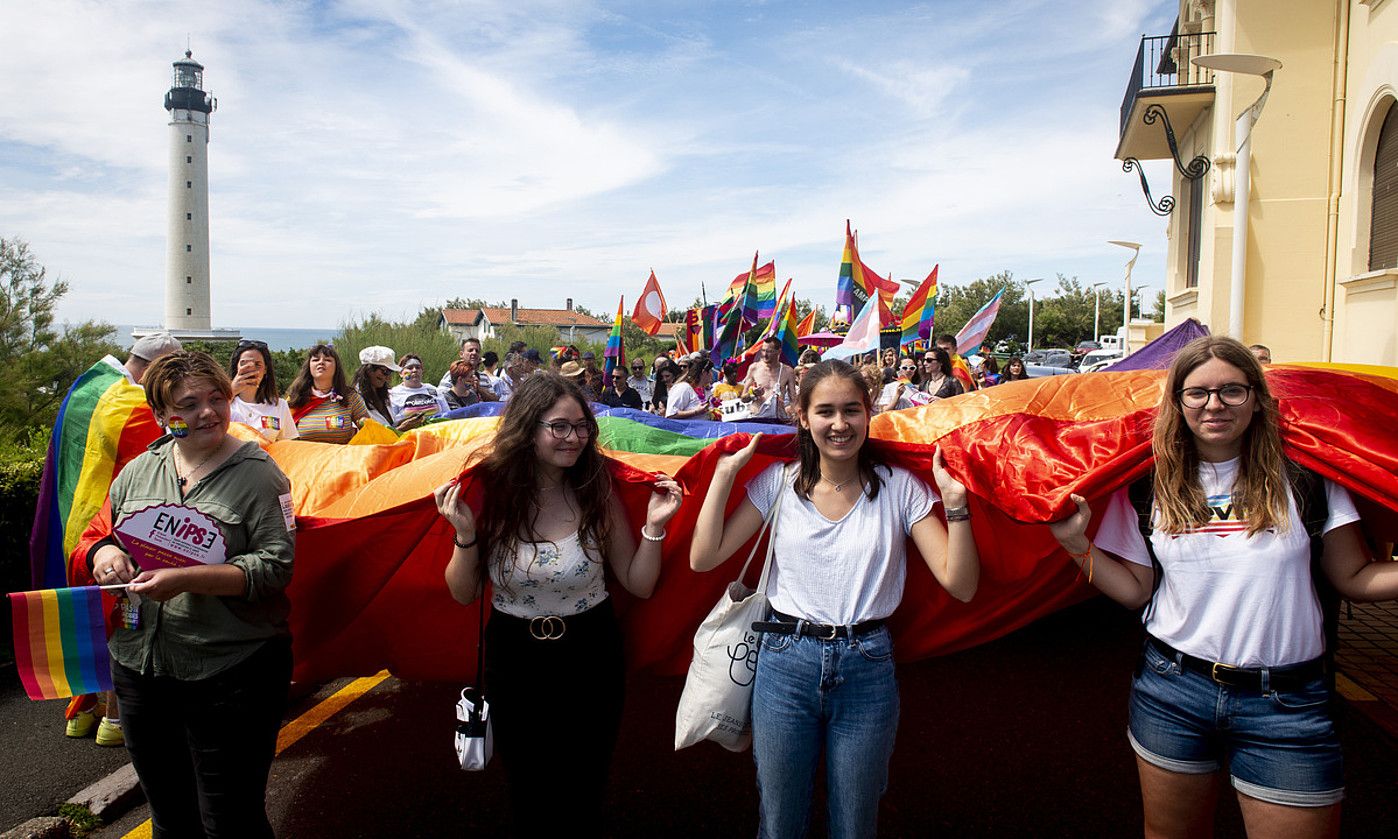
x: 958, y: 513
x: 471, y: 544
x: 650, y: 538
x: 1085, y: 556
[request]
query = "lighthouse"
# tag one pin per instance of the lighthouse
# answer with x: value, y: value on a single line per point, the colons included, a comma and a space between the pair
x: 187, y: 312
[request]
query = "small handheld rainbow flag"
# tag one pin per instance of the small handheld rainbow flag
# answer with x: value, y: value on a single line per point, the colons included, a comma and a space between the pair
x: 61, y: 642
x: 786, y: 333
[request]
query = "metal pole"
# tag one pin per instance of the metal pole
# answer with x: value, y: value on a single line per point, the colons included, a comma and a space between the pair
x: 1237, y: 291
x: 1097, y: 312
x: 1031, y: 319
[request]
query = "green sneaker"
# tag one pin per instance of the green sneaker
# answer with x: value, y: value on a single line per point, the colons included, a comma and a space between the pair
x: 81, y: 725
x: 109, y: 733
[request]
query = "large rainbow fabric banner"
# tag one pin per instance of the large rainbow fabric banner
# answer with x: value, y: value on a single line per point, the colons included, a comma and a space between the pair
x: 103, y: 422
x: 368, y: 590
x: 60, y: 642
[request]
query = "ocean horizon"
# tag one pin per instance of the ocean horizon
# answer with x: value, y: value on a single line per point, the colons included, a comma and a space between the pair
x: 276, y: 338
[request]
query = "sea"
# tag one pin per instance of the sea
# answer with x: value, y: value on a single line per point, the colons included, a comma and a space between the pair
x: 277, y: 339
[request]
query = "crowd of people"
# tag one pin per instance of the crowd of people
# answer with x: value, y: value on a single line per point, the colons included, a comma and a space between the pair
x: 1223, y: 550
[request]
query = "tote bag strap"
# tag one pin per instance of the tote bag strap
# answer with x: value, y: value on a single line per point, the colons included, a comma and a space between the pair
x: 768, y: 523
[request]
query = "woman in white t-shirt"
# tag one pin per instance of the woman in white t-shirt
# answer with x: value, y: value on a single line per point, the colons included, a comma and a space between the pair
x: 825, y: 680
x: 1233, y: 668
x: 256, y: 401
x: 550, y: 527
x: 684, y: 400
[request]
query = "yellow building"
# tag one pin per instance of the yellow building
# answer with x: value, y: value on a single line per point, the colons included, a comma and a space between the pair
x: 1321, y: 231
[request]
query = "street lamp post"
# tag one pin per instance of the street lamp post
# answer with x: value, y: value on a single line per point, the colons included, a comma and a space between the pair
x: 1141, y: 290
x: 1250, y: 65
x: 1135, y: 248
x: 1029, y: 284
x: 1097, y: 311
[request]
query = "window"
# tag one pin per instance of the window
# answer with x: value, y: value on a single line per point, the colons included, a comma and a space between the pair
x: 189, y: 184
x: 188, y: 280
x: 1383, y: 221
x: 189, y: 216
x: 189, y: 311
x: 188, y: 248
x: 1195, y: 220
x: 189, y: 158
x: 189, y: 138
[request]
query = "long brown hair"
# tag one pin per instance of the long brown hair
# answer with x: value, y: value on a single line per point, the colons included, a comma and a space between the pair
x: 267, y: 393
x: 1262, y: 486
x: 510, y: 475
x: 375, y: 398
x: 300, y: 391
x: 805, y: 443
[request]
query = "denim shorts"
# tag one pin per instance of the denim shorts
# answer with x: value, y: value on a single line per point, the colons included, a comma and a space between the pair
x: 1280, y: 746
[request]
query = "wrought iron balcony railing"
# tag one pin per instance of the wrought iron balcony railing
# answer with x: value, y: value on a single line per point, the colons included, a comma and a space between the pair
x: 1163, y: 62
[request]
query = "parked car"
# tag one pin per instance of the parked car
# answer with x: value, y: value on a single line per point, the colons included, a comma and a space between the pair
x: 1085, y: 347
x: 1096, y: 359
x: 1037, y: 371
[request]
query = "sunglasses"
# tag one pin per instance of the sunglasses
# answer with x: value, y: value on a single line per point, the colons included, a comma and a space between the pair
x: 245, y: 345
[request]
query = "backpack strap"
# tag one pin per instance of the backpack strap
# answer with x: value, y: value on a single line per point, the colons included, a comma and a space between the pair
x: 1308, y: 489
x: 1142, y: 495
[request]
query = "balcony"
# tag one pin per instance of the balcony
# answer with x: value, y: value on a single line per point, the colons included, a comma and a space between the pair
x: 1164, y: 76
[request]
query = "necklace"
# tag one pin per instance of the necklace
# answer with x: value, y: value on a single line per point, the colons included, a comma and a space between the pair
x: 840, y: 486
x: 184, y: 479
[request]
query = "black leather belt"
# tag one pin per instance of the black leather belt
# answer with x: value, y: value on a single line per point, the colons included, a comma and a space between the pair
x: 1290, y: 677
x: 787, y: 625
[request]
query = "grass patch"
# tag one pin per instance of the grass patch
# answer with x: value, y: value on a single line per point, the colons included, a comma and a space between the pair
x: 81, y: 821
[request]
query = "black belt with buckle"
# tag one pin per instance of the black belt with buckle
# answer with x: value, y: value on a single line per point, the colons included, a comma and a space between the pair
x: 1290, y: 677
x: 787, y: 625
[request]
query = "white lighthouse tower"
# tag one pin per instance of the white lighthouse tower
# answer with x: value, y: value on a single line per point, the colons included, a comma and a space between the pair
x: 187, y: 312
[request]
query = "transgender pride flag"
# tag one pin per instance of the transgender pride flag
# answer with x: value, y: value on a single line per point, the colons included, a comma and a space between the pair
x: 972, y: 335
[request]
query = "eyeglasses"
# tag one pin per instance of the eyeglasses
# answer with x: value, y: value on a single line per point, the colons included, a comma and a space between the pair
x: 249, y: 345
x: 560, y: 428
x: 1230, y: 395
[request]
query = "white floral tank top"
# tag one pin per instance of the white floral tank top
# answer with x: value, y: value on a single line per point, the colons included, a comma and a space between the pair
x: 549, y: 578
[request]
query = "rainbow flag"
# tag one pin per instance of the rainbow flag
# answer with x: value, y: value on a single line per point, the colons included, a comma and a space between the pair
x: 786, y: 333
x: 103, y: 423
x: 614, y: 355
x: 752, y: 297
x: 921, y: 310
x: 807, y: 324
x: 765, y: 300
x: 61, y: 642
x: 972, y: 335
x: 851, y: 289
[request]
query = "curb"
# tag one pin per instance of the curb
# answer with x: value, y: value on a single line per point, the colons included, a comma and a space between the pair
x: 44, y: 827
x: 112, y: 796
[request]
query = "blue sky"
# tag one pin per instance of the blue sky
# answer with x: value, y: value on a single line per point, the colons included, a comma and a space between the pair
x: 384, y: 156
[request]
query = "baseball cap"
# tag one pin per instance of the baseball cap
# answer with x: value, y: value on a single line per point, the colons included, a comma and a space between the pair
x: 153, y: 346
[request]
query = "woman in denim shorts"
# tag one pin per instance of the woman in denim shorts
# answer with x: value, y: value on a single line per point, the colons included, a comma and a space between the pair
x: 1232, y: 673
x: 825, y: 680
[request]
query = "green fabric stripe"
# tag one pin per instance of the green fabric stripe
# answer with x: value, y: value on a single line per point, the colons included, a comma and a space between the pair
x: 77, y: 420
x: 631, y: 436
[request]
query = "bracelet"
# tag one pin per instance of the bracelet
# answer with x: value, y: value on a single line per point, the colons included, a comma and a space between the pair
x: 958, y: 514
x: 1085, y: 556
x: 471, y: 544
x: 650, y: 538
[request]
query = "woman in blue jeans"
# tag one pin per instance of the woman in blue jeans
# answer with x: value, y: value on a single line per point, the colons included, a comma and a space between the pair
x: 825, y: 680
x: 1232, y: 673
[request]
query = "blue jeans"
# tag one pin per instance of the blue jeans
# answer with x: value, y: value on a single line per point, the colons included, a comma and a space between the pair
x: 1280, y: 746
x: 840, y: 697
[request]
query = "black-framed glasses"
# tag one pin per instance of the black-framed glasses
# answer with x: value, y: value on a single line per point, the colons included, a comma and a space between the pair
x: 1230, y: 395
x: 560, y: 428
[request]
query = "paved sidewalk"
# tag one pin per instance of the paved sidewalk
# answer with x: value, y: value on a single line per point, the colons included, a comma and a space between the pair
x: 1368, y: 661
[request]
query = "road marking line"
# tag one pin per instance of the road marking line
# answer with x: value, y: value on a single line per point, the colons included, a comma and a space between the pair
x: 301, y: 726
x: 1352, y: 691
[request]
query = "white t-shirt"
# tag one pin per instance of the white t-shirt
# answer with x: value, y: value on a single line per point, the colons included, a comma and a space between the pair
x: 273, y: 422
x: 406, y: 401
x: 1225, y: 596
x: 847, y: 571
x: 643, y: 386
x: 120, y: 368
x: 909, y: 398
x: 682, y: 398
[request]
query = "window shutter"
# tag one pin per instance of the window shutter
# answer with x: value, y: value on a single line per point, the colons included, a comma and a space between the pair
x: 1383, y: 229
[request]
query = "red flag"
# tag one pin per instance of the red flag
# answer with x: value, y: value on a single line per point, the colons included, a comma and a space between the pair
x: 807, y: 325
x: 650, y: 307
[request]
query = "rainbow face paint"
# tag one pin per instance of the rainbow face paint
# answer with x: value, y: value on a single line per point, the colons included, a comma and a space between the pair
x: 178, y: 427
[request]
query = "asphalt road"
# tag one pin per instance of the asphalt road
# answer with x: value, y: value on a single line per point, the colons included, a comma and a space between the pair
x: 1022, y: 737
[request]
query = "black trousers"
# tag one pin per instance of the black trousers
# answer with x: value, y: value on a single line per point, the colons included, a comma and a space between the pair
x: 202, y: 749
x: 556, y: 709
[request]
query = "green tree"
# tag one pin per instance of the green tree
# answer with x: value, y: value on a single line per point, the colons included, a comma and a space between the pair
x: 40, y: 360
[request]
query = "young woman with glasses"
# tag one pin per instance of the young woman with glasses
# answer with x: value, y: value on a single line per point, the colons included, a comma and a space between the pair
x: 548, y: 530
x: 825, y: 680
x: 257, y: 402
x: 1232, y: 673
x: 938, y: 382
